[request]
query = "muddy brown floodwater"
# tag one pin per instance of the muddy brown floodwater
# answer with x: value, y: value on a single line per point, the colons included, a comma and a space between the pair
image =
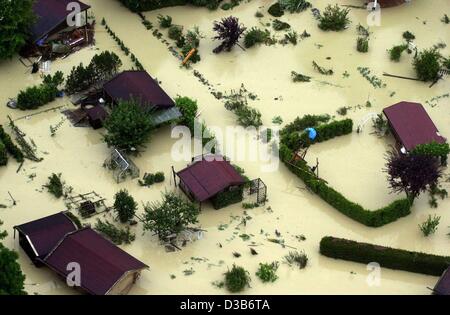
x: 353, y: 164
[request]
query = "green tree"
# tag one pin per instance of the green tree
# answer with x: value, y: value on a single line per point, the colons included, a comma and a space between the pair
x: 11, y: 276
x: 128, y: 127
x: 125, y: 206
x: 171, y: 216
x: 188, y: 108
x: 16, y: 18
x: 427, y: 64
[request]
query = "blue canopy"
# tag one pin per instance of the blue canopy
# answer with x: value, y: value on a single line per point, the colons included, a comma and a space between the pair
x: 312, y: 133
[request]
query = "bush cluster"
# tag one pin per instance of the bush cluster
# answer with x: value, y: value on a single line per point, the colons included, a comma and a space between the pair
x: 113, y: 233
x: 125, y: 206
x: 148, y: 5
x: 150, y: 179
x: 334, y: 18
x: 3, y: 155
x: 237, y: 279
x: 439, y: 150
x: 39, y: 95
x: 387, y: 257
x: 255, y: 36
x: 229, y: 197
x: 102, y: 67
x: 188, y: 108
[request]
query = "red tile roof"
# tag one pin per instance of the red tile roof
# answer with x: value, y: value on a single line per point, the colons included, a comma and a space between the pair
x: 412, y: 125
x: 45, y: 233
x: 50, y: 14
x: 207, y: 177
x: 138, y: 85
x: 101, y: 262
x: 443, y: 285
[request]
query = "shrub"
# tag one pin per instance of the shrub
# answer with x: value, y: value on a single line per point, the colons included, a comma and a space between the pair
x: 3, y: 155
x: 291, y: 37
x: 74, y: 219
x: 396, y: 52
x: 165, y: 21
x: 280, y: 25
x: 427, y: 64
x: 334, y: 18
x: 255, y: 36
x: 171, y: 216
x: 228, y: 197
x: 408, y: 36
x: 294, y: 6
x: 430, y: 225
x: 188, y: 108
x: 10, y: 146
x: 300, y: 259
x: 439, y: 150
x: 55, y: 186
x: 175, y: 32
x: 362, y: 44
x: 268, y: 272
x: 150, y: 179
x: 249, y: 116
x: 237, y: 279
x: 128, y: 127
x: 147, y: 5
x: 37, y: 96
x: 125, y: 206
x: 387, y: 257
x: 275, y: 10
x: 114, y: 234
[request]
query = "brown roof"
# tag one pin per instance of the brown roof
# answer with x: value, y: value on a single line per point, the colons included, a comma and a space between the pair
x: 388, y: 3
x: 207, y: 177
x: 101, y: 262
x: 412, y: 125
x: 138, y: 85
x: 45, y: 233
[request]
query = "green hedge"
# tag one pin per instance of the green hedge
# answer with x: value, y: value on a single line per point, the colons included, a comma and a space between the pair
x: 148, y: 5
x: 387, y: 257
x: 3, y: 155
x: 229, y: 197
x: 292, y: 135
x: 10, y: 146
x: 39, y: 95
x: 439, y: 150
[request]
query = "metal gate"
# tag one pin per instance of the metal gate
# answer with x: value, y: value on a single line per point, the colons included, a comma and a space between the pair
x: 256, y: 189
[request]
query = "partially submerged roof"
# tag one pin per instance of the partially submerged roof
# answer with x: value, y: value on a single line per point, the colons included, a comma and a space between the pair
x: 102, y: 263
x: 138, y: 85
x: 97, y: 113
x: 389, y: 3
x: 209, y: 176
x: 412, y: 125
x: 51, y: 14
x: 443, y: 285
x: 45, y: 233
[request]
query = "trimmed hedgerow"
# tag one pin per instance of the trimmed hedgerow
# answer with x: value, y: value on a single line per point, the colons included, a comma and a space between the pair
x: 36, y: 96
x: 10, y: 146
x: 293, y: 134
x: 387, y: 257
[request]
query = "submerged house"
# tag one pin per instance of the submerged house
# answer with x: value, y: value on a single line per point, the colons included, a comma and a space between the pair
x: 411, y: 126
x: 39, y: 237
x: 56, y: 242
x: 51, y: 33
x: 213, y: 178
x: 140, y: 86
x: 443, y: 285
x: 105, y: 268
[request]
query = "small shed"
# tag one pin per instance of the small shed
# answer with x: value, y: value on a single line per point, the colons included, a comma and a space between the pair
x: 140, y: 86
x: 209, y: 175
x: 443, y: 285
x: 105, y: 268
x: 96, y: 116
x: 37, y: 238
x: 411, y: 125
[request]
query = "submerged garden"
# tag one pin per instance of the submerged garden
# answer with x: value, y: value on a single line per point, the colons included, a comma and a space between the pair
x: 311, y: 80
